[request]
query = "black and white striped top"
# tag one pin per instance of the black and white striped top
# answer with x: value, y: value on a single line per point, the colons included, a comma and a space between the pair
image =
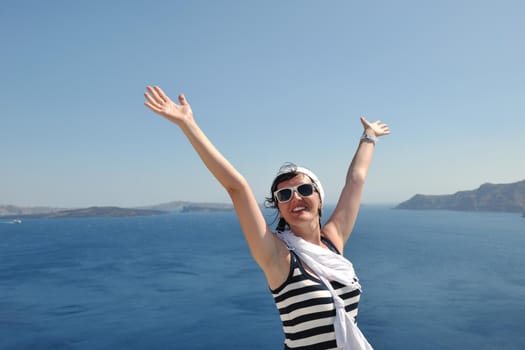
x: 307, y: 310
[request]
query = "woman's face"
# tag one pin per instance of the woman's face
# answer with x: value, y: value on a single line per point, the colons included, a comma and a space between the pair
x: 299, y: 208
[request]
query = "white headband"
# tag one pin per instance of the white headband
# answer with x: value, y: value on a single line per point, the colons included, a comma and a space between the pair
x: 292, y: 168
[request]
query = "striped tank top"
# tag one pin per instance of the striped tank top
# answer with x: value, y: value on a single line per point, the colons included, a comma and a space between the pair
x: 306, y: 307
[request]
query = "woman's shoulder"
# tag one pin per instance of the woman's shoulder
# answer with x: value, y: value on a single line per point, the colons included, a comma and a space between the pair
x: 277, y: 272
x: 332, y: 240
x: 330, y: 245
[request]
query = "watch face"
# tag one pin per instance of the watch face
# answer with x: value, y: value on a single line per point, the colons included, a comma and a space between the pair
x: 369, y: 138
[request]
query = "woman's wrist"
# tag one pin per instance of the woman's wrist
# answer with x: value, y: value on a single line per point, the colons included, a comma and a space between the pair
x: 369, y: 137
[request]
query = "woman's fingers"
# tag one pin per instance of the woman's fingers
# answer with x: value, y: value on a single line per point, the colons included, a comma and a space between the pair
x: 150, y: 99
x: 160, y: 94
x: 182, y: 100
x: 155, y: 94
x: 156, y: 99
x: 152, y: 107
x: 379, y: 127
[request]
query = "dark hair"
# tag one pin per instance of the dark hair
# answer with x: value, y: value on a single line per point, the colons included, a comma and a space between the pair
x: 271, y: 202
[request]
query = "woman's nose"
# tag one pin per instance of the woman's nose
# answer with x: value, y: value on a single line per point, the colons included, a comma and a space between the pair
x: 296, y: 195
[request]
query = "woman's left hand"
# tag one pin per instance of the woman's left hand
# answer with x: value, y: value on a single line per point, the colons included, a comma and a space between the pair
x: 377, y: 128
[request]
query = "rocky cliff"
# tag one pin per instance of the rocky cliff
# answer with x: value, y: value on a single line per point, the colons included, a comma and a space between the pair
x: 488, y: 197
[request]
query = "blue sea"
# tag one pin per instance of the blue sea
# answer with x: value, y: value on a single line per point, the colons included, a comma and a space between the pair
x: 431, y: 280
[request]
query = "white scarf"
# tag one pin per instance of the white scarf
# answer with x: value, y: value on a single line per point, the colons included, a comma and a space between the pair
x: 331, y: 266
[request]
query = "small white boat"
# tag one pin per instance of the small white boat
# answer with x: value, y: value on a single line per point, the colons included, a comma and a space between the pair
x: 16, y: 221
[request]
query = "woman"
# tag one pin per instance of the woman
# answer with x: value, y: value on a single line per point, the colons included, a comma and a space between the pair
x: 314, y: 286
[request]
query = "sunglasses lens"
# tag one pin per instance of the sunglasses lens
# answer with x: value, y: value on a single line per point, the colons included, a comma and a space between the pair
x: 305, y: 190
x: 284, y: 195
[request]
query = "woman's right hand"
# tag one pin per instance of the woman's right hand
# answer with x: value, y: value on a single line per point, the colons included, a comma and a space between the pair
x: 161, y: 104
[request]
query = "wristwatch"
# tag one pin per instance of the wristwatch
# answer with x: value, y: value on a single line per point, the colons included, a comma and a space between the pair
x: 369, y: 138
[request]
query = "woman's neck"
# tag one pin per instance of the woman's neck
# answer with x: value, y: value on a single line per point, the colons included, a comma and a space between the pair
x: 309, y: 232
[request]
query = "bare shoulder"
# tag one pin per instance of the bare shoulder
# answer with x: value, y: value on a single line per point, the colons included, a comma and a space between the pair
x: 330, y: 233
x: 277, y: 270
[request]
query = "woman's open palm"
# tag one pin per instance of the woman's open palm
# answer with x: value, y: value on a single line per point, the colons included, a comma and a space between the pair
x: 377, y: 127
x: 160, y: 103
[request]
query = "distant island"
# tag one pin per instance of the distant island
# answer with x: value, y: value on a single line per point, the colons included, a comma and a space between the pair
x: 488, y: 197
x: 15, y: 212
x: 185, y: 207
x: 104, y: 212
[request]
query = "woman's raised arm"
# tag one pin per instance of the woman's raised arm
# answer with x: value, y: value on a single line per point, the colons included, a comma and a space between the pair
x: 339, y: 226
x: 260, y: 239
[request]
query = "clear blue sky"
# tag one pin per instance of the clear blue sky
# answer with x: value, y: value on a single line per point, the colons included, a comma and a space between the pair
x: 270, y: 82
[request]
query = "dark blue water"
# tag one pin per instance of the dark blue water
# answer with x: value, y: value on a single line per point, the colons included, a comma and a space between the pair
x: 431, y: 280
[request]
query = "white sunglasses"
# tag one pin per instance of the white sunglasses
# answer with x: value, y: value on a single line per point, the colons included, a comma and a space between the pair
x: 284, y: 195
